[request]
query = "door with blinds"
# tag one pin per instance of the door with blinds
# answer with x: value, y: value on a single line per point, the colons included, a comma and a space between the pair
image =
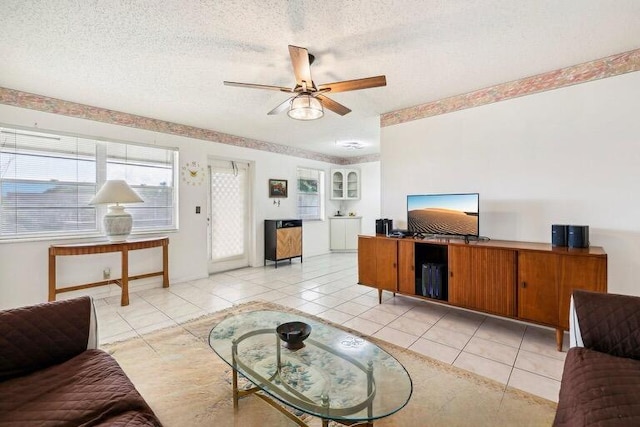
x: 229, y: 214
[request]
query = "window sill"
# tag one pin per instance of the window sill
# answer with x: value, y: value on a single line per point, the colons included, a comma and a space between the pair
x: 82, y: 237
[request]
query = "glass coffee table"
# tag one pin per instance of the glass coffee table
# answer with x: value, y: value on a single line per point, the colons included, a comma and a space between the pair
x: 336, y: 376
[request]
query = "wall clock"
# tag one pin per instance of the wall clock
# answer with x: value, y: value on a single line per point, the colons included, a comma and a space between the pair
x: 192, y: 173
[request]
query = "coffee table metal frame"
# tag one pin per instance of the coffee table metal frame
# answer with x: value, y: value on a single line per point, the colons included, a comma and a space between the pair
x: 336, y: 376
x: 295, y: 397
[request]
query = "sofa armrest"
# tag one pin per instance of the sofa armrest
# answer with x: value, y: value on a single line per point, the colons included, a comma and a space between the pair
x: 608, y: 323
x: 38, y: 336
x: 575, y: 336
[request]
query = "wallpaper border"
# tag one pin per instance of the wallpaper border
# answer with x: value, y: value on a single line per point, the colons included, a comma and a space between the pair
x: 610, y: 66
x: 46, y: 104
x: 598, y: 69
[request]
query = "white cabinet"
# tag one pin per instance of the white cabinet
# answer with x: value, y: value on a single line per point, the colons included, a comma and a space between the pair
x: 344, y: 233
x: 345, y: 184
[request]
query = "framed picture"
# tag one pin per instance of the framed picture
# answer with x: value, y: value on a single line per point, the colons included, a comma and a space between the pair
x: 277, y: 188
x: 308, y: 186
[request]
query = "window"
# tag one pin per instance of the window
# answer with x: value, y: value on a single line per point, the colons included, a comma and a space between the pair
x: 310, y: 190
x: 47, y: 181
x: 149, y: 171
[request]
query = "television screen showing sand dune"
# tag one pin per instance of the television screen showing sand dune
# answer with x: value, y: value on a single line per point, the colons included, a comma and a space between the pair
x: 443, y: 214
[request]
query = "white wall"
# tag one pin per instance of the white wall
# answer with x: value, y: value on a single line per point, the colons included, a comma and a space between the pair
x: 369, y: 204
x: 23, y: 265
x: 568, y: 156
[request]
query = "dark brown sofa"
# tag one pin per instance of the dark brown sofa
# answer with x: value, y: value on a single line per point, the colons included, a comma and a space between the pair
x: 601, y: 378
x: 52, y: 374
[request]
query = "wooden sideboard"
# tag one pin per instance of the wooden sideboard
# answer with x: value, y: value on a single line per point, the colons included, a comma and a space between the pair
x: 106, y: 247
x: 526, y: 281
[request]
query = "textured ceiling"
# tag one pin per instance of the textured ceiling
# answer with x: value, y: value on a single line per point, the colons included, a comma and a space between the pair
x: 167, y: 60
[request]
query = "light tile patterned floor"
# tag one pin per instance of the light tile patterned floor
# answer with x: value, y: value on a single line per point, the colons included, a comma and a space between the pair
x: 520, y: 355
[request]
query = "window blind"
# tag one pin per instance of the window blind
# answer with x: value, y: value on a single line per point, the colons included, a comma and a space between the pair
x: 47, y: 181
x: 149, y: 171
x: 310, y: 193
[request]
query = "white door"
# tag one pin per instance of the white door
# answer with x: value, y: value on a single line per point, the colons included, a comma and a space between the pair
x: 229, y: 214
x: 351, y: 232
x: 337, y: 229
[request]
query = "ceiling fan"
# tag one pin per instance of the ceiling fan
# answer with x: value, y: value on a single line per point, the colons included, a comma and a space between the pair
x: 309, y: 99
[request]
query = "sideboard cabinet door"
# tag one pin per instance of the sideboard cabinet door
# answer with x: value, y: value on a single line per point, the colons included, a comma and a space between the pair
x: 537, y: 287
x: 483, y: 279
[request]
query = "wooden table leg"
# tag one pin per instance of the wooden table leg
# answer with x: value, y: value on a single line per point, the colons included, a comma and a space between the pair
x: 165, y: 266
x: 559, y: 338
x: 124, y: 280
x: 52, y: 277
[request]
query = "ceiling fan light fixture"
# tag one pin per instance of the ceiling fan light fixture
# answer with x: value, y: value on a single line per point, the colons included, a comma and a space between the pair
x: 351, y: 145
x: 305, y: 107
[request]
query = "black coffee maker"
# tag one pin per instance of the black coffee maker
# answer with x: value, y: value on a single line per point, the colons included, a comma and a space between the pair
x: 384, y: 226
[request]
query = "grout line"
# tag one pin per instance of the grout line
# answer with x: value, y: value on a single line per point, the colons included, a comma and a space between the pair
x: 343, y: 280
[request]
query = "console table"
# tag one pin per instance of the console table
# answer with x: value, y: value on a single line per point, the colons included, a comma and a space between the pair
x: 107, y: 247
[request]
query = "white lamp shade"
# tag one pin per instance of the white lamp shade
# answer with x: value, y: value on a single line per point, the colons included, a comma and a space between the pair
x: 117, y: 222
x: 305, y: 107
x: 115, y: 191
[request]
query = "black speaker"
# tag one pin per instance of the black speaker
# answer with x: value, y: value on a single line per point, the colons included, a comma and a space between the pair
x: 558, y: 235
x: 578, y: 236
x: 384, y: 226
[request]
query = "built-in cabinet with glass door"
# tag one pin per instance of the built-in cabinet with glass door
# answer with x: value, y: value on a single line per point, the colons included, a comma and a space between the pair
x: 345, y: 184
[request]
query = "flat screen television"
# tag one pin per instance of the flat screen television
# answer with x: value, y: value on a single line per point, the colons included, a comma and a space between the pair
x: 443, y: 214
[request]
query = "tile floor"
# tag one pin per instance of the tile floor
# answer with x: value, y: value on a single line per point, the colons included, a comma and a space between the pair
x: 516, y: 354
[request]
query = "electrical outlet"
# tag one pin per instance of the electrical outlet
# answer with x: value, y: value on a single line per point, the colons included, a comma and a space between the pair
x: 106, y: 273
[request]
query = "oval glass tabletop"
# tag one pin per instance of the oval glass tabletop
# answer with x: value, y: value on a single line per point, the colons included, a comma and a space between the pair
x: 335, y: 376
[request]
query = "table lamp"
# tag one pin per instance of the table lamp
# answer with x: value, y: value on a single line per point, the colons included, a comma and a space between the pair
x: 117, y: 222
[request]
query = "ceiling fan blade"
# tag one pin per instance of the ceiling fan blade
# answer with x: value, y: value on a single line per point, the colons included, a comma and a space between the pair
x: 357, y: 84
x: 281, y: 108
x: 255, y: 86
x: 333, y: 105
x: 301, y: 66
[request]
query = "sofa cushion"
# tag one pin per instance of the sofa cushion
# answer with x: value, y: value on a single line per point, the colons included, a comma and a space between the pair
x: 38, y: 336
x: 609, y: 323
x: 598, y: 389
x: 88, y: 390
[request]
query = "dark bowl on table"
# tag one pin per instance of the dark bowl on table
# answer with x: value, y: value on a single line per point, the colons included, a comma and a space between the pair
x: 293, y: 334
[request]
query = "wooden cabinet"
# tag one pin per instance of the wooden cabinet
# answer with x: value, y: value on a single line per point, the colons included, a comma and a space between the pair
x: 482, y: 279
x: 378, y: 264
x: 288, y: 243
x: 526, y: 281
x: 282, y: 240
x: 459, y: 276
x: 345, y: 184
x: 406, y: 267
x: 537, y: 287
x: 367, y: 261
x: 343, y: 233
x: 579, y: 272
x: 387, y: 264
x: 546, y: 281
